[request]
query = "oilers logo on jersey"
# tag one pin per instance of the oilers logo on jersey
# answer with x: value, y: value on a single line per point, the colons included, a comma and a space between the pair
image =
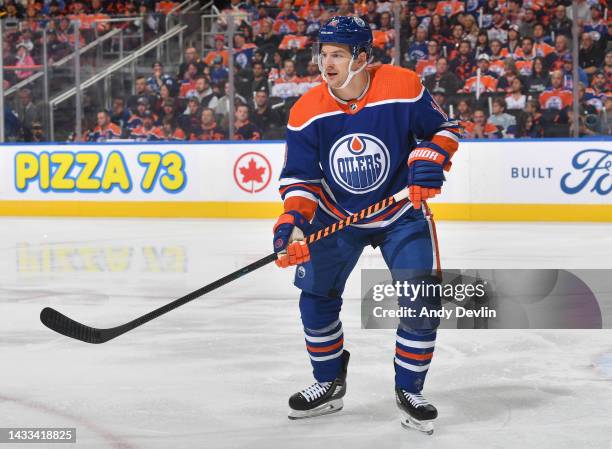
x: 359, y: 162
x: 342, y: 158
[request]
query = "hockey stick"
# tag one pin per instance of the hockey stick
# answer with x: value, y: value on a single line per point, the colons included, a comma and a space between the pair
x: 60, y: 323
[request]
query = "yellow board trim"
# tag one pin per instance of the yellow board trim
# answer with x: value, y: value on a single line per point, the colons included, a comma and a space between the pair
x: 212, y: 209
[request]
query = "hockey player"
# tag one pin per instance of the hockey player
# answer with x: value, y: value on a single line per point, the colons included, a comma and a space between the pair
x: 352, y: 141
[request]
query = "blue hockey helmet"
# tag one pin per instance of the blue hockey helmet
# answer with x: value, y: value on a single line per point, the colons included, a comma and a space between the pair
x: 352, y: 31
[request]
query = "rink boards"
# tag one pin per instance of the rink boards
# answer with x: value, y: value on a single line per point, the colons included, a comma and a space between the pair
x: 504, y: 180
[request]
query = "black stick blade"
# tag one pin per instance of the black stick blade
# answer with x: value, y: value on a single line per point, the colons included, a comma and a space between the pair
x: 66, y: 326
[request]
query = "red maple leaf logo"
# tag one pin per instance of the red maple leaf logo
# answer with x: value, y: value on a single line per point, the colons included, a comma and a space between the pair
x: 252, y: 173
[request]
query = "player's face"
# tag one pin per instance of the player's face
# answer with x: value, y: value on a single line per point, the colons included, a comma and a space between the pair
x: 335, y: 60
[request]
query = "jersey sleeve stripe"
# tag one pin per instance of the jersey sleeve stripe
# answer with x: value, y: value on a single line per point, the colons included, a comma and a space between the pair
x: 287, y: 181
x: 300, y: 186
x: 301, y: 193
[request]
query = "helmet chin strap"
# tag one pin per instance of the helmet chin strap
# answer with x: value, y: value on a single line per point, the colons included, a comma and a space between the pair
x: 351, y: 72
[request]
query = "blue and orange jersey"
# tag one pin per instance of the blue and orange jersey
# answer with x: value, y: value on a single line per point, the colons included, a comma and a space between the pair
x: 99, y: 134
x: 553, y: 98
x: 141, y: 133
x: 343, y: 156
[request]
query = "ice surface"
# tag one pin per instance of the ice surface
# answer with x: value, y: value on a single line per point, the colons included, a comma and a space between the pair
x: 217, y: 373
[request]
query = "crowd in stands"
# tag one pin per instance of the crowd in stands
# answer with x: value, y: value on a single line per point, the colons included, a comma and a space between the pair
x: 504, y: 68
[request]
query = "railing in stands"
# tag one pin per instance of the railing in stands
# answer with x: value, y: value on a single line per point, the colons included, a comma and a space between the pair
x: 106, y: 72
x: 62, y: 61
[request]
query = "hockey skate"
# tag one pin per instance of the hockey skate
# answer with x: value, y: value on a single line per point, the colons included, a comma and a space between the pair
x: 416, y: 412
x: 320, y: 398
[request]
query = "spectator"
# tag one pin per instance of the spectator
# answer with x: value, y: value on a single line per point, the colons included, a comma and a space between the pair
x: 313, y: 76
x: 222, y: 107
x: 140, y: 88
x: 482, y: 44
x: 498, y: 30
x: 24, y: 60
x: 38, y: 134
x: 260, y: 78
x: 137, y: 118
x: 464, y: 111
x: 438, y: 29
x: 203, y: 92
x: 530, y: 128
x: 568, y: 67
x: 516, y: 100
x: 164, y: 95
x: 561, y: 25
x: 218, y: 52
x: 191, y: 57
x: 513, y: 42
x: 486, y: 82
x: 608, y: 71
x: 286, y: 20
x: 191, y: 71
x: 556, y: 97
x: 315, y: 17
x: 371, y: 15
x: 105, y: 129
x: 502, y: 119
x: 462, y: 64
x: 159, y: 78
x: 589, y: 56
x: 189, y: 120
x: 170, y: 131
x: 555, y: 61
x: 206, y: 128
x: 56, y: 50
x: 147, y: 131
x: 480, y: 128
x: 264, y: 116
x: 597, y: 28
x: 417, y: 46
x: 439, y: 95
x: 243, y: 51
x: 167, y: 111
x: 442, y: 79
x: 119, y: 113
x: 267, y: 41
x: 539, y: 79
x: 542, y: 42
x: 607, y: 120
x: 244, y: 129
x: 526, y: 52
x: 584, y: 12
x: 505, y: 82
x: 27, y: 112
x: 12, y: 127
x: 287, y: 84
x: 596, y: 95
x: 218, y: 73
x: 427, y: 66
x: 410, y: 30
x: 344, y: 8
x: 527, y: 23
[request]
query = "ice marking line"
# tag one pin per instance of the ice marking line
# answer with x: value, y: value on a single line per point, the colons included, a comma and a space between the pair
x: 114, y: 441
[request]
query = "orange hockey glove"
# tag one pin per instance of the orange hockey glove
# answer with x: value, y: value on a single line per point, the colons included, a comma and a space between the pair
x: 289, y: 241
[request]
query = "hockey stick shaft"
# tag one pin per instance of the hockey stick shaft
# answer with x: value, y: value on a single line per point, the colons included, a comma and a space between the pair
x: 64, y: 325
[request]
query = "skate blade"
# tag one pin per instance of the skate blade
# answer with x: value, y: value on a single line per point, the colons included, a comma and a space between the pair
x: 324, y: 409
x: 408, y: 422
